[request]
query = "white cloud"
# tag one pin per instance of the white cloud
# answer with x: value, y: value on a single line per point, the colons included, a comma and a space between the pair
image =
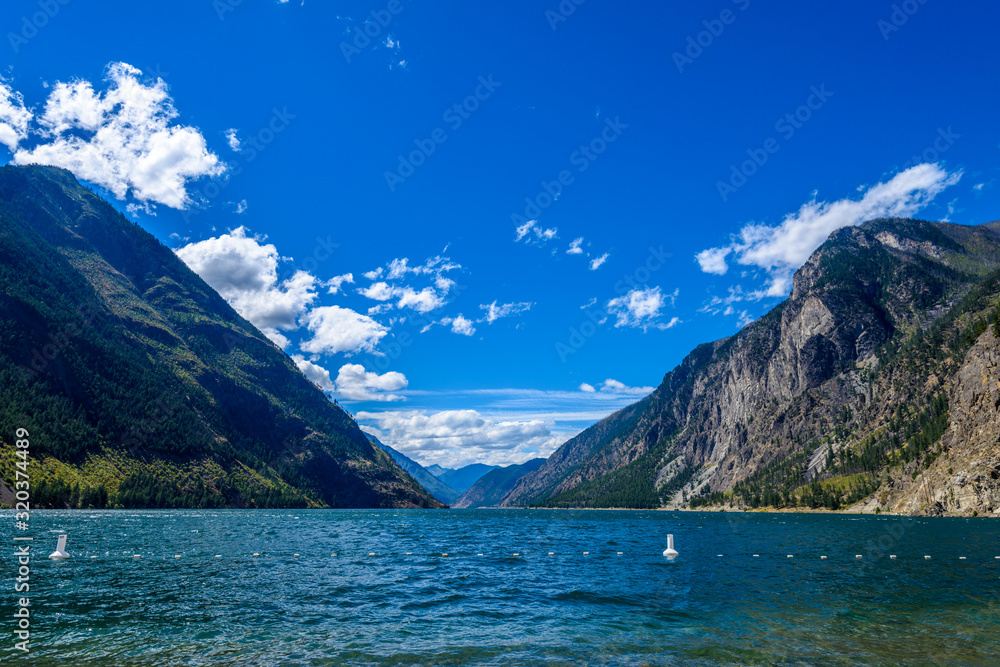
x: 534, y: 233
x: 233, y: 140
x: 377, y: 292
x: 713, y: 260
x: 122, y: 139
x: 245, y: 272
x: 422, y: 300
x: 494, y: 312
x: 780, y: 250
x: 640, y: 308
x: 241, y: 207
x: 574, y: 247
x: 319, y: 375
x: 335, y: 283
x: 460, y: 325
x: 589, y: 388
x: 459, y: 437
x: 357, y: 384
x: 337, y: 329
x: 14, y: 117
x: 597, y: 262
x: 612, y: 386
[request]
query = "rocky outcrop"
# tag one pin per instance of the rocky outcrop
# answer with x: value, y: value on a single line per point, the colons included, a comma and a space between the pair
x: 778, y: 387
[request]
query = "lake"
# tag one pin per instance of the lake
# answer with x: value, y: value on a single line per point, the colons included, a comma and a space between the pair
x: 733, y: 596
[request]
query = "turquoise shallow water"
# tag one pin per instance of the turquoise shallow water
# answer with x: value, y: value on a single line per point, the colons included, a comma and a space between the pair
x: 636, y: 608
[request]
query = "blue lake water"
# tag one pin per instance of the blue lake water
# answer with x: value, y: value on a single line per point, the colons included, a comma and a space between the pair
x: 105, y: 607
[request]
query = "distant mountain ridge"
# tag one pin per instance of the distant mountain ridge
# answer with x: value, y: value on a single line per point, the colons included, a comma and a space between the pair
x: 490, y: 489
x: 434, y: 486
x: 463, y: 478
x: 140, y: 385
x: 852, y: 392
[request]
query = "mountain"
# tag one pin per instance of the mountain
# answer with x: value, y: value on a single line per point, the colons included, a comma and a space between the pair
x: 434, y: 486
x: 141, y: 387
x: 870, y: 386
x: 461, y: 479
x: 490, y: 489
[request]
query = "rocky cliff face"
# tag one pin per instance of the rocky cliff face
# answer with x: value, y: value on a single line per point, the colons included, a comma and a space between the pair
x: 965, y: 479
x: 800, y: 384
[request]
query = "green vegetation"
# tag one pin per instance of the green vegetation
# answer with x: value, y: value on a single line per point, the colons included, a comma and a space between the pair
x: 141, y: 387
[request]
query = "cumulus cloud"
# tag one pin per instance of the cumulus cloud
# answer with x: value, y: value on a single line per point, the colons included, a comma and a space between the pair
x: 319, y: 375
x: 589, y: 388
x: 423, y: 300
x: 597, y: 262
x: 640, y: 308
x: 334, y: 284
x: 532, y: 232
x: 245, y: 272
x: 574, y: 246
x: 782, y: 249
x: 14, y: 117
x: 357, y: 384
x: 460, y: 325
x: 496, y: 311
x: 457, y: 437
x: 335, y: 330
x: 233, y: 140
x: 122, y: 139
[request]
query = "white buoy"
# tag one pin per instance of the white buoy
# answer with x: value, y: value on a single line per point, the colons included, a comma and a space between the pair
x: 791, y: 556
x: 218, y: 555
x: 553, y: 553
x: 586, y: 553
x: 858, y: 556
x: 822, y: 557
x: 756, y: 555
x: 60, y: 551
x: 619, y: 553
x: 408, y: 553
x: 176, y: 556
x: 670, y: 552
x: 256, y: 555
x: 961, y: 558
x: 444, y: 555
x: 927, y: 557
x: 137, y: 556
x: 892, y: 556
x: 517, y: 555
x: 372, y: 553
x: 479, y: 554
x: 718, y: 555
x: 295, y: 555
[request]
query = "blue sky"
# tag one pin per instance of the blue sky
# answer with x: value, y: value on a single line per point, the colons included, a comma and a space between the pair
x: 484, y: 228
